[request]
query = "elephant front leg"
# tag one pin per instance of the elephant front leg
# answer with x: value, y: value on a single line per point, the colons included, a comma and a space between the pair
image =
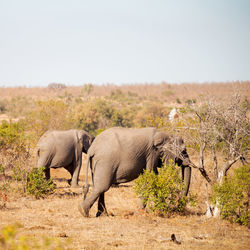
x: 101, y: 206
x: 47, y: 173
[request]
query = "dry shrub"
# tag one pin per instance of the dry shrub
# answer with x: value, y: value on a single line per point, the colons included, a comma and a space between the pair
x: 48, y: 115
x: 152, y: 115
x: 14, y: 145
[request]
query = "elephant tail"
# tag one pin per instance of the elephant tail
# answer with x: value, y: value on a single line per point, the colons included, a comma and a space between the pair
x: 86, y: 187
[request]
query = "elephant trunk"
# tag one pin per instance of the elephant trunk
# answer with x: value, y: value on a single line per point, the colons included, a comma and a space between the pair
x: 186, y: 171
x: 186, y: 177
x: 183, y: 162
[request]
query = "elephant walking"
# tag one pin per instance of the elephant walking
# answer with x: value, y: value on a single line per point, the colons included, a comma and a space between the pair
x: 119, y: 155
x: 63, y: 149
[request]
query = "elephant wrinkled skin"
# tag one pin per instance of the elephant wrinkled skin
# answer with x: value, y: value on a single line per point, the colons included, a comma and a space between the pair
x: 119, y: 155
x: 60, y: 148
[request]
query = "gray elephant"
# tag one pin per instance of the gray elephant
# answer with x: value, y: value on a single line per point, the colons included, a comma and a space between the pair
x: 60, y: 148
x: 119, y: 155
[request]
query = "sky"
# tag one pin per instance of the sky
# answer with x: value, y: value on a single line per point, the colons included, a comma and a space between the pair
x: 123, y: 42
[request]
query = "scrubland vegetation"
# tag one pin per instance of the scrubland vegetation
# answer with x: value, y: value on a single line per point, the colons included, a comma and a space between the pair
x: 213, y: 119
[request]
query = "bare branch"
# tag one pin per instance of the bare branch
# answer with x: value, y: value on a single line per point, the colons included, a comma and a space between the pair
x: 229, y: 164
x: 202, y: 171
x: 215, y: 163
x: 202, y: 149
x: 200, y: 119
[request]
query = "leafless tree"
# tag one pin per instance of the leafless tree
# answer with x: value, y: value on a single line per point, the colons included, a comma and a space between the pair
x: 219, y: 130
x: 56, y: 86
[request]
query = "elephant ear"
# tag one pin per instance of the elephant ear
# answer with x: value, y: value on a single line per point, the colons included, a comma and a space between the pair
x: 159, y: 139
x: 85, y: 140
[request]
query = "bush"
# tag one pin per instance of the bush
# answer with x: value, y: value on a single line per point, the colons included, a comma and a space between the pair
x: 37, y: 185
x: 51, y: 114
x: 99, y: 114
x: 14, y: 145
x: 190, y: 101
x: 55, y: 86
x: 10, y: 238
x: 163, y: 192
x: 88, y: 88
x: 19, y: 174
x: 2, y: 106
x: 2, y: 170
x: 86, y: 116
x: 152, y: 115
x: 232, y: 196
x: 11, y: 133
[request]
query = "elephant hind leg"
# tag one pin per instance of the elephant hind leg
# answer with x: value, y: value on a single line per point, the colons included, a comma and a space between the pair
x: 86, y: 204
x: 71, y: 171
x: 101, y: 206
x: 44, y: 161
x: 98, y: 192
x: 102, y: 180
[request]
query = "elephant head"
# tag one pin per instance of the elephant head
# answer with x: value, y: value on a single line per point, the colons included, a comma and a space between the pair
x: 173, y: 147
x: 85, y: 140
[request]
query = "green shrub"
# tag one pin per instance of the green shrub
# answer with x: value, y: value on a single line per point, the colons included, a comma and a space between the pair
x: 51, y: 114
x: 167, y: 93
x: 178, y: 100
x: 37, y: 185
x: 3, y: 106
x: 151, y: 115
x: 98, y: 114
x: 190, y: 101
x: 14, y: 145
x: 86, y: 116
x: 11, y: 133
x: 2, y: 170
x: 232, y: 196
x: 10, y: 238
x: 162, y: 192
x: 88, y: 88
x: 18, y: 106
x: 19, y: 174
x: 5, y: 187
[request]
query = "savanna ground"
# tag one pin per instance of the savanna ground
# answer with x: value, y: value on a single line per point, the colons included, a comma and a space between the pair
x: 126, y: 227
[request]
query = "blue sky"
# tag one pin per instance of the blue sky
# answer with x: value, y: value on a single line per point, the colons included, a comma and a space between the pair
x: 114, y: 41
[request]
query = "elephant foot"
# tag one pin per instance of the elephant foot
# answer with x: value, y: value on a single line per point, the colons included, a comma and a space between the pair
x: 84, y: 212
x: 101, y: 213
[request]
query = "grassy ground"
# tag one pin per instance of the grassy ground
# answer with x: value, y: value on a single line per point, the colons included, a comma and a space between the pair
x: 126, y: 227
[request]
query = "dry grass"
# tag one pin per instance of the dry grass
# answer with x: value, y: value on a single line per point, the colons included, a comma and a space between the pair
x: 126, y: 227
x: 170, y: 92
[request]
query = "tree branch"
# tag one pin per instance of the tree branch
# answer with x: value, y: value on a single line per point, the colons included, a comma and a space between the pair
x: 215, y: 163
x: 202, y: 149
x: 229, y: 164
x: 202, y: 171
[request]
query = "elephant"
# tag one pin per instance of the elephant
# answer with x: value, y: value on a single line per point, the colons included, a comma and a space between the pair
x: 120, y: 155
x: 63, y: 148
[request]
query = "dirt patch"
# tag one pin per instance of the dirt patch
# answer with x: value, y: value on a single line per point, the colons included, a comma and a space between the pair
x: 126, y: 227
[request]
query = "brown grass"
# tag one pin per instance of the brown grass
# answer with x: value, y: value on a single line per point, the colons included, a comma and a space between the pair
x: 170, y: 92
x: 126, y: 227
